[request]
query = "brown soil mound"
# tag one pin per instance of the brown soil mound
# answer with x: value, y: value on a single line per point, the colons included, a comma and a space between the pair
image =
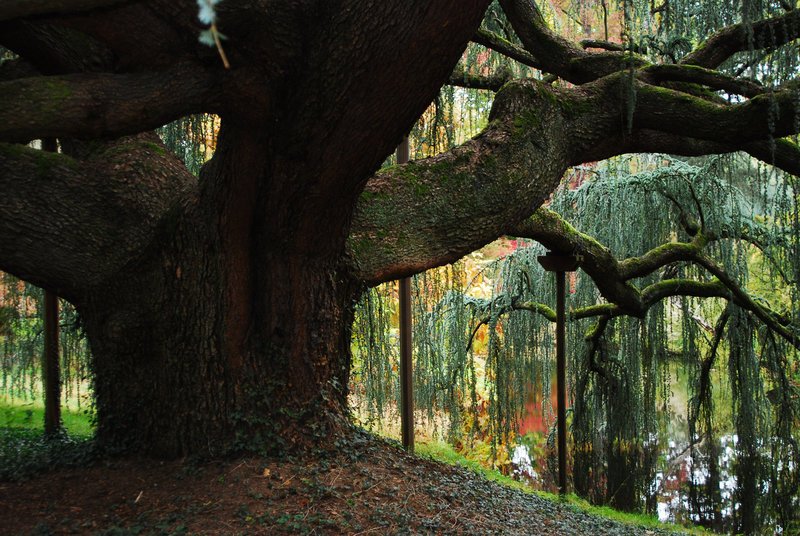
x: 371, y: 488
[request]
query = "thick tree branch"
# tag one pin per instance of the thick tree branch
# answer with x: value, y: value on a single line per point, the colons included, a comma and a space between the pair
x: 552, y: 231
x: 613, y: 277
x: 493, y: 82
x: 100, y: 105
x: 758, y: 119
x: 745, y: 36
x: 67, y: 225
x: 655, y: 293
x: 783, y: 153
x: 605, y: 45
x: 507, y: 168
x: 672, y: 121
x: 556, y: 55
x: 14, y: 9
x: 780, y: 153
x: 662, y: 255
x: 659, y: 74
x: 431, y: 212
x: 443, y: 223
x: 507, y: 48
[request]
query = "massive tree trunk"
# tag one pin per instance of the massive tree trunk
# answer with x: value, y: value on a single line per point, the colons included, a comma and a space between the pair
x: 224, y: 321
x: 232, y: 331
x: 199, y: 350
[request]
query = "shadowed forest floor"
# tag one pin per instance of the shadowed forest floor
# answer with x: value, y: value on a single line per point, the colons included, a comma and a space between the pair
x: 371, y: 487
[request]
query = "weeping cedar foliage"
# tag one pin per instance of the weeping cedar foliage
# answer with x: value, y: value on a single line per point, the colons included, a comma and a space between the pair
x: 22, y: 344
x: 622, y: 369
x: 741, y: 376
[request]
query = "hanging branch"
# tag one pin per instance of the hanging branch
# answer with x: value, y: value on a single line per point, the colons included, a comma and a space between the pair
x: 704, y: 379
x: 494, y: 82
x: 742, y: 37
x: 593, y: 337
x: 694, y: 315
x: 613, y: 277
x: 546, y: 312
x: 782, y: 325
x: 505, y: 47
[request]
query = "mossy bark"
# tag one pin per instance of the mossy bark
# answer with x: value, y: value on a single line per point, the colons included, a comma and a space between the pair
x: 226, y: 334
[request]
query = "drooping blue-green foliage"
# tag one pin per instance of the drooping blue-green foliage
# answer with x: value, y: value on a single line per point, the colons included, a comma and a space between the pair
x: 735, y: 357
x: 635, y: 214
x: 22, y: 344
x: 623, y: 369
x: 192, y: 139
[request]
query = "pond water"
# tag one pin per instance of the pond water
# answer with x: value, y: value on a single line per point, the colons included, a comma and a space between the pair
x: 671, y: 485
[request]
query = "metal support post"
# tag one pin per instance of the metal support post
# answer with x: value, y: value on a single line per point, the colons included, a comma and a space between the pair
x: 406, y: 365
x: 560, y: 264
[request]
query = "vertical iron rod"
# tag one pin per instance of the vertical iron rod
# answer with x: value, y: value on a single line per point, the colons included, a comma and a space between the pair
x: 51, y: 366
x: 561, y: 382
x: 52, y: 374
x: 406, y: 366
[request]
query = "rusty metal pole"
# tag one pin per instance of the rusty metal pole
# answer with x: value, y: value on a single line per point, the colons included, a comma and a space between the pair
x: 51, y: 370
x: 561, y: 383
x: 406, y: 366
x: 560, y: 264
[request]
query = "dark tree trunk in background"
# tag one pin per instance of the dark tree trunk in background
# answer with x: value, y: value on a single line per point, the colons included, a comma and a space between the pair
x: 52, y: 368
x: 51, y: 365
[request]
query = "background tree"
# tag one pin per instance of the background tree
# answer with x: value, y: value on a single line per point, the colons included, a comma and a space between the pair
x: 219, y: 307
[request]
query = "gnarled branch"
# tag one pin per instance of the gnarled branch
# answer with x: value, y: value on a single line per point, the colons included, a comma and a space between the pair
x: 557, y: 55
x: 100, y: 105
x: 67, y: 224
x: 493, y: 82
x: 745, y: 36
x: 15, y: 9
x: 613, y: 277
x: 507, y: 48
x: 431, y: 212
x: 659, y: 74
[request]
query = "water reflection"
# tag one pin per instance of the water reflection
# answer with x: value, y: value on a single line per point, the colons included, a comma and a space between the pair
x: 683, y: 485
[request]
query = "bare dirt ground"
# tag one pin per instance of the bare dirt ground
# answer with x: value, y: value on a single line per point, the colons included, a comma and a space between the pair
x: 373, y: 487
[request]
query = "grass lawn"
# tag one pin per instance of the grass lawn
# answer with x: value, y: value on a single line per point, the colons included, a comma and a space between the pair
x: 441, y: 451
x: 30, y: 415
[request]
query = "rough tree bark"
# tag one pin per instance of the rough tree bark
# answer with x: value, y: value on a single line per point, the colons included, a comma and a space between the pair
x: 219, y: 308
